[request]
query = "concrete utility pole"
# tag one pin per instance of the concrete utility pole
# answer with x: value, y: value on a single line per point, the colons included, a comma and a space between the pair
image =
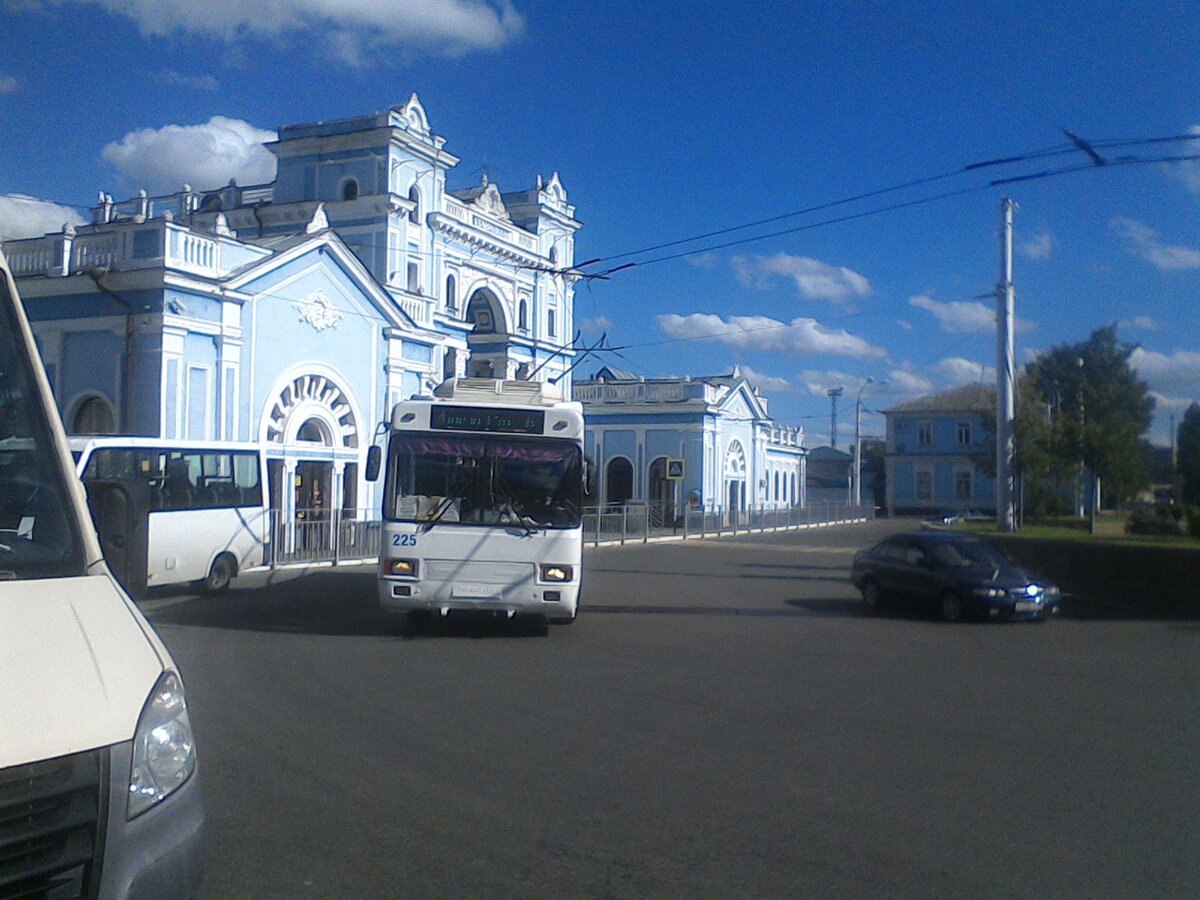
x: 833, y: 394
x: 1005, y: 373
x: 858, y: 440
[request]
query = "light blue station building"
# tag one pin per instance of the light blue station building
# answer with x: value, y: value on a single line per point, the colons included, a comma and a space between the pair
x: 296, y: 314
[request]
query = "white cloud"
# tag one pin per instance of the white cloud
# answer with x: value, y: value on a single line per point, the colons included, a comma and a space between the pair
x: 1143, y: 322
x: 907, y: 326
x: 1168, y: 405
x: 908, y: 383
x: 1165, y: 257
x: 1039, y: 247
x: 351, y: 29
x: 192, y: 82
x: 800, y: 336
x: 598, y: 324
x: 205, y: 156
x: 818, y: 382
x: 703, y: 260
x: 764, y: 382
x: 26, y: 217
x: 1175, y: 374
x: 963, y: 316
x: 814, y: 279
x: 8, y: 84
x: 959, y: 371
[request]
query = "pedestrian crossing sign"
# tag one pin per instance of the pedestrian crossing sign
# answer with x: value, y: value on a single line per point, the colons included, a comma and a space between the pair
x: 674, y: 469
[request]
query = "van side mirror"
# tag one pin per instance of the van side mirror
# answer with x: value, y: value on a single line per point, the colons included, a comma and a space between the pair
x: 374, y: 456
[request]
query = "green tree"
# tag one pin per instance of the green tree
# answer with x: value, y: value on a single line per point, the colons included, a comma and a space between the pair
x: 1082, y: 404
x: 1187, y: 450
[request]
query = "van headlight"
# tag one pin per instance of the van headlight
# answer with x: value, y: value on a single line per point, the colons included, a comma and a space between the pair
x: 164, y: 751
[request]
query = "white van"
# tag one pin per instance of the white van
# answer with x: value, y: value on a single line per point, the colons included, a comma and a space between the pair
x: 99, y: 792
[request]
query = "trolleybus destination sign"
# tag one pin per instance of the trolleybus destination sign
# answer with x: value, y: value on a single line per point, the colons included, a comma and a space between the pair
x: 481, y: 418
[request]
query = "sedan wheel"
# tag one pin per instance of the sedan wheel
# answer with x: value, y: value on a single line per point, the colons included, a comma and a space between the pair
x: 872, y: 596
x: 952, y: 607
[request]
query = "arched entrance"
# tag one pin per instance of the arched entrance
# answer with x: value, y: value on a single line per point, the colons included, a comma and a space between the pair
x: 312, y: 432
x: 618, y: 481
x: 488, y: 341
x: 735, y: 482
x: 661, y: 493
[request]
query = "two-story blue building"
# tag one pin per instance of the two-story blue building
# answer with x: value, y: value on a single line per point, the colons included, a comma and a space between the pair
x: 938, y: 450
x: 705, y: 441
x: 296, y: 314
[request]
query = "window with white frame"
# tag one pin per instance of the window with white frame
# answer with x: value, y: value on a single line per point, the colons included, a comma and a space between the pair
x: 924, y: 434
x: 414, y: 278
x: 551, y: 324
x: 924, y: 484
x: 451, y: 293
x: 964, y: 434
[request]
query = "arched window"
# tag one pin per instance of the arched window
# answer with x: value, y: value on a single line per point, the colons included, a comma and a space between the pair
x: 553, y: 256
x: 523, y: 316
x: 451, y: 293
x: 619, y: 480
x: 776, y: 487
x: 414, y: 214
x: 94, y: 416
x: 795, y: 496
x: 350, y: 189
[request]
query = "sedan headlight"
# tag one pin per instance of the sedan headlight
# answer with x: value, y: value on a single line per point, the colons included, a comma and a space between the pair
x: 164, y: 751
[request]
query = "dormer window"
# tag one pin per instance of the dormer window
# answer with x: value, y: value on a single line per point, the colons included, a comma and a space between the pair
x: 414, y: 214
x: 350, y: 189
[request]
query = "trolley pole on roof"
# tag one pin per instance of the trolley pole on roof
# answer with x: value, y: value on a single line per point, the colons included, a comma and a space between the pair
x: 1005, y: 374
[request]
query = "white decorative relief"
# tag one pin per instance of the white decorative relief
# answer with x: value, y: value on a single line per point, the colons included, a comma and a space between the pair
x: 318, y: 311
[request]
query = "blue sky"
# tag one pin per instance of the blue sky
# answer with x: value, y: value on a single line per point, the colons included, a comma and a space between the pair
x: 671, y: 120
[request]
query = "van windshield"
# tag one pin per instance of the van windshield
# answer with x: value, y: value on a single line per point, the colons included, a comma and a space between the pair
x: 38, y: 537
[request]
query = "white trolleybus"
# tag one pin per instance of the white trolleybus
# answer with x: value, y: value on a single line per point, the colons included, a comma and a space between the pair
x: 482, y: 502
x: 207, y: 518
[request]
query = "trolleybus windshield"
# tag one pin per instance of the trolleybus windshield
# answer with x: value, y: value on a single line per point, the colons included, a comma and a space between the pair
x: 485, y: 480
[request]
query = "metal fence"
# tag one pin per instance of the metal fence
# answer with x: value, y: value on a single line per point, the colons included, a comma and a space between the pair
x: 633, y: 522
x: 323, y: 535
x: 338, y: 536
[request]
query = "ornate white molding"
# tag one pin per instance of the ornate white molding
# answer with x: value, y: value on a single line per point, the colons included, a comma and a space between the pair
x: 317, y: 310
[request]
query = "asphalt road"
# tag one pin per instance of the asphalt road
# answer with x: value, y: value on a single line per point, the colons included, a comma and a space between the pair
x: 722, y: 720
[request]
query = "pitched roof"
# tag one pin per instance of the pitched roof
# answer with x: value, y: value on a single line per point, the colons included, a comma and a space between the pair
x: 969, y: 398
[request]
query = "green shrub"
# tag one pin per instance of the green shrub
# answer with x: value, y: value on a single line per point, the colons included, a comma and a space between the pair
x: 1161, y: 519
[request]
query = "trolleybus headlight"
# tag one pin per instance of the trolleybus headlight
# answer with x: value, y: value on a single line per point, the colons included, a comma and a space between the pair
x: 406, y: 567
x: 164, y: 751
x: 556, y: 573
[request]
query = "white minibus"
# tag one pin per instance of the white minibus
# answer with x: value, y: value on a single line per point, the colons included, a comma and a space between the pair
x: 206, y: 504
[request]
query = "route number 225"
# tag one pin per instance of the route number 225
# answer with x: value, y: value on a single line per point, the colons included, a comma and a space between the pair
x: 404, y: 540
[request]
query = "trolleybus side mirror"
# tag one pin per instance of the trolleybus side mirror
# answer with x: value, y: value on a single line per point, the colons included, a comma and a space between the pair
x: 374, y: 454
x: 589, y: 474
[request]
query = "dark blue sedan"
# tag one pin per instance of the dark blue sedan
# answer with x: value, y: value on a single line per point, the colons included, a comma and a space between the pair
x: 963, y: 575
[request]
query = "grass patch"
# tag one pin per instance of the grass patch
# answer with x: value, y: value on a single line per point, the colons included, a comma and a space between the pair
x: 1108, y: 531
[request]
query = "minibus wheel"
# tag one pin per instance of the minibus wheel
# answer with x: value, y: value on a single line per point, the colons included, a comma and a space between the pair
x: 222, y: 572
